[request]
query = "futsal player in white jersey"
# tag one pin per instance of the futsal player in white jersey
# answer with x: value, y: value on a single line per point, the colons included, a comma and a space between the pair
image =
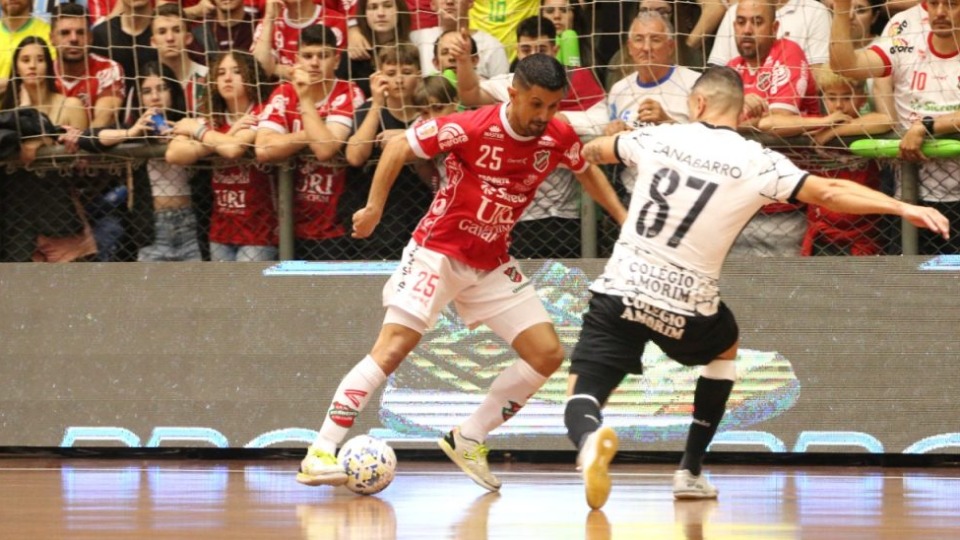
x: 698, y: 184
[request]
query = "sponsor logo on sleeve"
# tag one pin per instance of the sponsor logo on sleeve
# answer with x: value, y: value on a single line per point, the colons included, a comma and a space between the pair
x: 426, y: 130
x: 451, y: 135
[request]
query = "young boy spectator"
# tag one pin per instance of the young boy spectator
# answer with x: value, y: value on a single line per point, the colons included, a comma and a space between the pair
x: 390, y: 111
x: 836, y: 233
x: 313, y: 110
x: 171, y: 37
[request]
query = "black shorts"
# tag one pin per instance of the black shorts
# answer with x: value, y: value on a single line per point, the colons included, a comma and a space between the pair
x: 615, y: 337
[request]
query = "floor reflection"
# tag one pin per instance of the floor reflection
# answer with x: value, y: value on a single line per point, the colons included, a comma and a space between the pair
x: 197, y: 500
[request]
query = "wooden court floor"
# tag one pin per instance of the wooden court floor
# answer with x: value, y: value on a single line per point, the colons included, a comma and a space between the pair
x: 44, y: 499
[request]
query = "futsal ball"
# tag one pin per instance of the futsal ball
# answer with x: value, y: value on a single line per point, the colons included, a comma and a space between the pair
x: 370, y: 464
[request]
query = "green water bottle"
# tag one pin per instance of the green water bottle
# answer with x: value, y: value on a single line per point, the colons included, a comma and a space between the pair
x: 568, y: 43
x: 451, y: 75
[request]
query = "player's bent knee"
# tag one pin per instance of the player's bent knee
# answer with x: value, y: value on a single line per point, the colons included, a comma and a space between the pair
x: 552, y: 359
x: 546, y: 360
x: 393, y: 345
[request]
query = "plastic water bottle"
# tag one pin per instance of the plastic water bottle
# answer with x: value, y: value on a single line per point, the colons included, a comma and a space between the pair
x: 569, y: 44
x: 159, y: 123
x: 116, y: 196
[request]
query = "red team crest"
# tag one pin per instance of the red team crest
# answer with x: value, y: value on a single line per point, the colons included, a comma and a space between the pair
x: 514, y: 274
x: 541, y: 160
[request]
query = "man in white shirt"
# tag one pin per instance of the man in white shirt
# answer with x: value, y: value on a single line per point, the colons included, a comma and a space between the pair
x: 657, y: 91
x: 454, y: 15
x: 925, y: 72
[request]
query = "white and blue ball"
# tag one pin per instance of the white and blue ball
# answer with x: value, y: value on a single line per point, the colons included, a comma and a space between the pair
x: 370, y: 464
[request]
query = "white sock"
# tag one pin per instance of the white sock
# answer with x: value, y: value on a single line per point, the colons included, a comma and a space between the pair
x: 351, y: 397
x: 508, y: 393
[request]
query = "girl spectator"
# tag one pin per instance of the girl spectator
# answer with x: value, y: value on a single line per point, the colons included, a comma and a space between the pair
x: 243, y: 224
x: 384, y: 23
x: 42, y: 218
x: 566, y: 15
x: 162, y: 102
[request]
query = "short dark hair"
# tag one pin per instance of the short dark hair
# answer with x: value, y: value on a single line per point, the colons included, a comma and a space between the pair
x: 541, y: 70
x: 318, y: 34
x: 720, y: 76
x: 722, y: 85
x: 436, y: 44
x: 401, y: 54
x: 536, y: 27
x: 169, y: 10
x: 60, y: 11
x: 437, y: 87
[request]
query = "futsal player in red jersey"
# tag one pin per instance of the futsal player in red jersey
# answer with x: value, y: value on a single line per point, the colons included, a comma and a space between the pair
x: 497, y: 157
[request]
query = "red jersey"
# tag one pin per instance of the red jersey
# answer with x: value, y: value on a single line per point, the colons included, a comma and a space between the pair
x: 318, y: 188
x: 244, y: 204
x: 784, y: 79
x: 856, y: 231
x: 104, y: 77
x: 286, y: 34
x: 423, y: 15
x: 492, y: 176
x: 585, y: 91
x: 258, y: 7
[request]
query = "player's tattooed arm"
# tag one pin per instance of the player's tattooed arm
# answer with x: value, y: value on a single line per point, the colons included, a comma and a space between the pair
x: 601, y: 150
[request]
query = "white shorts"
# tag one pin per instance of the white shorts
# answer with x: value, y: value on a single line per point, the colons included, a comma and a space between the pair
x: 426, y: 281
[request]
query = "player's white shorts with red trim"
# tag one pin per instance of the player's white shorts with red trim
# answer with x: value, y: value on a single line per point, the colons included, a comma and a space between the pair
x: 426, y: 281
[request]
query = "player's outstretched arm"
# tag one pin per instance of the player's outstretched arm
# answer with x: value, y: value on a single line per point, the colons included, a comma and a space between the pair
x: 596, y: 185
x: 853, y: 198
x: 601, y: 151
x: 395, y: 154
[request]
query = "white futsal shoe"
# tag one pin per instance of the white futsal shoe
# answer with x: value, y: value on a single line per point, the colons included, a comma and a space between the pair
x: 687, y: 486
x: 471, y: 457
x: 594, y: 461
x: 320, y: 468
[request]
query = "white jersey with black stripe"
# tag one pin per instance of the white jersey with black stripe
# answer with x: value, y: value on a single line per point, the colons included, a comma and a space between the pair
x: 697, y: 187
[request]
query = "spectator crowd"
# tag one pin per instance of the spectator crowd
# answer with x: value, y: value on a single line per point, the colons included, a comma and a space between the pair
x: 234, y: 91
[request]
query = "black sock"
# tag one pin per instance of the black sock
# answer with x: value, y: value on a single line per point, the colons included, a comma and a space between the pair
x: 709, y: 404
x: 582, y: 417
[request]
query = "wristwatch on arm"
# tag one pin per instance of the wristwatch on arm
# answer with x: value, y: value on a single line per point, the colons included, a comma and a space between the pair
x: 927, y: 122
